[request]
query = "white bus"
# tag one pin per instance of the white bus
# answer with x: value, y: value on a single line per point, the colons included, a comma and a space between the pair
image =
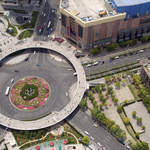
x: 7, y: 90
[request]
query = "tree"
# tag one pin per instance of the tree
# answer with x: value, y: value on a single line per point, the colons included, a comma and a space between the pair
x: 143, y: 127
x: 117, y: 84
x: 134, y: 114
x: 101, y: 106
x: 144, y: 39
x: 94, y: 51
x: 139, y: 120
x: 123, y: 44
x: 126, y: 120
x: 137, y: 135
x: 140, y: 146
x: 126, y: 101
x: 119, y: 109
x: 112, y: 47
x: 115, y: 101
x: 85, y: 140
x: 107, y: 79
x: 83, y: 104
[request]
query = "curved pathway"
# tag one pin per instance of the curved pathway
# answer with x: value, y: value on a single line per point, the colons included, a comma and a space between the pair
x: 45, y: 137
x: 56, y: 117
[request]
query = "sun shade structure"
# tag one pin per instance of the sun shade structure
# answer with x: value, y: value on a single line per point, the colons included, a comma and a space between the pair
x: 51, y: 143
x: 65, y: 141
x: 37, y: 147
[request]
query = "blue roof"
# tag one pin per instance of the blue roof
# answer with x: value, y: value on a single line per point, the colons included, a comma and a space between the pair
x: 129, y: 2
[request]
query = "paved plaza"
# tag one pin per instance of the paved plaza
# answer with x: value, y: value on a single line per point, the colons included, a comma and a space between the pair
x: 123, y: 93
x: 141, y: 112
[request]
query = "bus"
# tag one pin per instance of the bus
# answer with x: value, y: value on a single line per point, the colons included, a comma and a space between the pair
x: 7, y: 91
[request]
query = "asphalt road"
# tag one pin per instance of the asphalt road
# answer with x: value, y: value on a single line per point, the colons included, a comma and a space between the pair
x: 121, y: 61
x: 47, y: 14
x: 55, y: 73
x: 84, y: 122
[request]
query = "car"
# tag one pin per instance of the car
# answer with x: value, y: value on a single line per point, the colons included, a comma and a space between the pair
x: 86, y: 132
x: 141, y: 51
x: 95, y: 63
x: 75, y: 74
x: 117, y: 57
x: 138, y: 59
x: 12, y: 80
x: 99, y: 144
x: 95, y: 125
x: 91, y: 137
x: 88, y: 65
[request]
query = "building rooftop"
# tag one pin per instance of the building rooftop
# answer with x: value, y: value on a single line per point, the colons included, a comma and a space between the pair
x: 130, y: 2
x: 88, y: 10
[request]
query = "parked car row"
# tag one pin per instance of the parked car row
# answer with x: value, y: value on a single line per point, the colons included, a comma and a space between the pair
x: 95, y: 63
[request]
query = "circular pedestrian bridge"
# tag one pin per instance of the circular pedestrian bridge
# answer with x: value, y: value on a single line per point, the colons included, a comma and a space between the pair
x: 56, y: 88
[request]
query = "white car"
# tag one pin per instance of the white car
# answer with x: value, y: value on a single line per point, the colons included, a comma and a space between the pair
x: 86, y: 132
x: 141, y: 51
x: 99, y: 144
x: 95, y: 63
x: 95, y: 125
x: 117, y: 57
x: 89, y: 65
x: 91, y: 137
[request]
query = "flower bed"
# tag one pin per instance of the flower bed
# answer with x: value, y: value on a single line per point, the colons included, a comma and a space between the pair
x: 29, y: 93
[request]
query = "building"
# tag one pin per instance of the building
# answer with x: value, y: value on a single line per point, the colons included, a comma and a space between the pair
x: 94, y: 23
x: 145, y: 74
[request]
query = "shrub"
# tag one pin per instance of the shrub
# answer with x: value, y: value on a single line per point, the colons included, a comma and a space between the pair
x: 29, y: 91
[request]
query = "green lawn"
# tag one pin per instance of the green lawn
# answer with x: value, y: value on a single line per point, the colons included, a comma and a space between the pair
x: 14, y: 30
x: 25, y: 34
x: 30, y: 24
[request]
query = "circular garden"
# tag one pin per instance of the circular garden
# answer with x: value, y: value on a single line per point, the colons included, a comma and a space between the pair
x: 29, y: 93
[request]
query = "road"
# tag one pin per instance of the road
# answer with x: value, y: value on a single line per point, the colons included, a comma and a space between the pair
x: 47, y: 20
x: 54, y: 72
x: 84, y: 122
x: 121, y: 61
